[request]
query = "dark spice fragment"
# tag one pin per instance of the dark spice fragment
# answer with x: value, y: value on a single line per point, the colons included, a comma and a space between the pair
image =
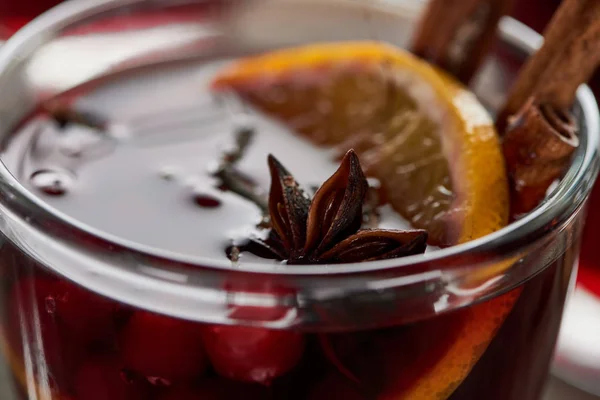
x: 65, y: 115
x: 230, y: 179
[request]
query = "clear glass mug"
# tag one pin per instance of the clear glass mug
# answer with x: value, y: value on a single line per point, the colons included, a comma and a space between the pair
x: 88, y: 316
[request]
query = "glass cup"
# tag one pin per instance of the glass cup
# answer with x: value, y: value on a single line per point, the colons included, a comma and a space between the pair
x: 90, y: 316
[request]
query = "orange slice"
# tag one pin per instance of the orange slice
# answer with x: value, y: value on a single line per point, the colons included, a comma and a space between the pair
x: 426, y: 138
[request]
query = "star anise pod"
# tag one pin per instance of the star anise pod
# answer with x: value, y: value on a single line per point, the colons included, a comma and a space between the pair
x: 327, y: 229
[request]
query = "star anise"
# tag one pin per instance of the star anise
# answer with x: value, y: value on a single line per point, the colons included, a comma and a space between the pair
x: 327, y: 229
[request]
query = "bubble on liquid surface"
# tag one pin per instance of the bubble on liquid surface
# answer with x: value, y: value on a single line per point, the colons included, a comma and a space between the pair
x: 52, y: 182
x: 83, y: 142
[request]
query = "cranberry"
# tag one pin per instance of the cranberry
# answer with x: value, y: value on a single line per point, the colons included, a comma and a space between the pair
x: 35, y: 331
x: 78, y: 314
x: 160, y: 347
x: 254, y: 313
x: 32, y: 309
x: 249, y: 354
x: 85, y: 315
x: 185, y: 393
x: 215, y: 389
x: 104, y: 379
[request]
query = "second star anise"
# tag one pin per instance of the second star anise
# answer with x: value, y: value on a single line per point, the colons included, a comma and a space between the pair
x: 327, y: 229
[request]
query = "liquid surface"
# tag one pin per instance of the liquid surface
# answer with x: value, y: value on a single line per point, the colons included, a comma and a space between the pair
x: 149, y: 178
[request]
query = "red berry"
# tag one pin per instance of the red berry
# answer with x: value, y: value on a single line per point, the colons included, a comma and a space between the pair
x: 206, y: 392
x: 215, y: 389
x: 184, y: 393
x: 79, y: 314
x: 249, y: 354
x: 254, y: 313
x: 35, y: 332
x: 85, y: 315
x: 103, y: 378
x: 160, y: 347
x: 32, y: 309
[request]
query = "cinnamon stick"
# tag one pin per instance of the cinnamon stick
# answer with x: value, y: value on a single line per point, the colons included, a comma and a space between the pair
x: 538, y: 146
x: 540, y: 134
x: 568, y: 58
x: 456, y: 35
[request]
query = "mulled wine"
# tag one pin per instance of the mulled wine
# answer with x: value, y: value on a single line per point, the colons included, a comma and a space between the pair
x: 296, y: 222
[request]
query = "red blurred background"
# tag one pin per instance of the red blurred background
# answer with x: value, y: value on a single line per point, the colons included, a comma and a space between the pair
x: 16, y: 13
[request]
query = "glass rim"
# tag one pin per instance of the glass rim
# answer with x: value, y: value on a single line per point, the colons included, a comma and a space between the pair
x: 559, y: 205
